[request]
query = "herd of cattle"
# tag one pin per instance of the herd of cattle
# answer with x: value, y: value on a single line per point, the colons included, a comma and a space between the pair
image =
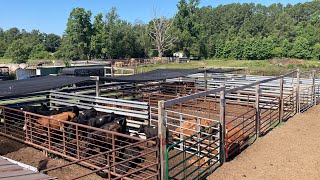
x: 41, y: 117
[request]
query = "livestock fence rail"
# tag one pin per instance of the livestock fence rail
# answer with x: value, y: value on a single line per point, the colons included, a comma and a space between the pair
x: 137, y: 112
x: 119, y: 155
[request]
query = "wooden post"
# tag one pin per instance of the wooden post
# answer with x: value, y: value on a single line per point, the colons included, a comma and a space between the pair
x: 314, y: 87
x: 97, y: 87
x: 205, y: 79
x: 298, y: 92
x: 257, y: 94
x: 112, y: 71
x: 163, y: 141
x: 281, y: 103
x: 223, y: 124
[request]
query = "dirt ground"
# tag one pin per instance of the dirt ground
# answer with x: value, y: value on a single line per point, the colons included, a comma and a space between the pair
x: 31, y: 156
x: 290, y: 151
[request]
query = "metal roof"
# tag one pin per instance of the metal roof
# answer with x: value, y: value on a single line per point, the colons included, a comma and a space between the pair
x: 11, y: 171
x: 20, y: 87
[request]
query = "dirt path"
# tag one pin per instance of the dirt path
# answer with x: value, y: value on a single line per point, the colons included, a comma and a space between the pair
x: 291, y: 151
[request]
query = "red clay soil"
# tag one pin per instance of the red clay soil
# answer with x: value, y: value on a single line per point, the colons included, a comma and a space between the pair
x: 290, y: 151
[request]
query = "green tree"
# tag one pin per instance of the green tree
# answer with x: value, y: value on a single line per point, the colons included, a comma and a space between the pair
x: 300, y: 48
x: 78, y: 35
x: 316, y: 51
x: 97, y: 42
x: 18, y: 51
x: 39, y: 52
x: 51, y: 42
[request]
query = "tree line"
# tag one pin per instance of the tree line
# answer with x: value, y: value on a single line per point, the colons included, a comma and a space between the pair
x: 237, y: 31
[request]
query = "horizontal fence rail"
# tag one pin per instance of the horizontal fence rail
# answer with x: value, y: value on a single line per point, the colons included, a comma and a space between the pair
x: 138, y: 112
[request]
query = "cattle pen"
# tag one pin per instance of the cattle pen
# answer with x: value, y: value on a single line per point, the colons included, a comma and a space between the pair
x: 203, y: 118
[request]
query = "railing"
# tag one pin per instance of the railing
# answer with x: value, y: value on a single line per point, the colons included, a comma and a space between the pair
x: 269, y: 115
x: 198, y: 155
x: 119, y: 155
x: 289, y: 106
x: 306, y: 98
x: 138, y: 112
x: 28, y: 99
x: 239, y: 131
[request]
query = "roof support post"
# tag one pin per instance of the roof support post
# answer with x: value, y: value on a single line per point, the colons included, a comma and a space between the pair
x: 223, y: 155
x: 281, y: 103
x: 258, y: 92
x: 163, y: 140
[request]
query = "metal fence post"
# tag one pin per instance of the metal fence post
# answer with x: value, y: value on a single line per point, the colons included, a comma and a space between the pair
x: 281, y: 102
x: 163, y: 141
x: 205, y: 79
x: 314, y: 87
x: 298, y: 92
x: 97, y: 87
x: 257, y: 94
x: 223, y: 124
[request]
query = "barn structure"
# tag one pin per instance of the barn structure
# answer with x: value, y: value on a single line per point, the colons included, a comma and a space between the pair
x: 204, y: 117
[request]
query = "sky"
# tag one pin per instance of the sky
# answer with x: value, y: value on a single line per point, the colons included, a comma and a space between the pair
x: 50, y: 16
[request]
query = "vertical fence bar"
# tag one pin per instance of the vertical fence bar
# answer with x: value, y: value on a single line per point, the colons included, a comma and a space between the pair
x: 314, y: 87
x: 26, y: 126
x: 163, y: 141
x: 77, y: 141
x: 49, y: 135
x: 97, y: 87
x: 181, y: 134
x: 281, y: 103
x: 64, y: 141
x: 298, y: 92
x: 257, y: 96
x: 223, y: 124
x: 113, y: 151
x: 205, y: 79
x: 4, y: 121
x: 109, y: 168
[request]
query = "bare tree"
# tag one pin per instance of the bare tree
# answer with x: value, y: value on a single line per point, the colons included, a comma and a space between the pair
x: 162, y: 39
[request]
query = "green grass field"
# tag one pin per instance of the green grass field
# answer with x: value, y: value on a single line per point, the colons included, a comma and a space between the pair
x: 260, y: 67
x: 5, y: 61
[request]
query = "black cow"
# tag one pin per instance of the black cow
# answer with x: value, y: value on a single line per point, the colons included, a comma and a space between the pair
x: 89, y: 113
x: 83, y: 118
x: 148, y: 130
x: 99, y: 121
x: 102, y: 139
x: 35, y: 109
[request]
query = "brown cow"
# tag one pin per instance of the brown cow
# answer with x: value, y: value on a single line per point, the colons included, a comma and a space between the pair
x: 54, y: 120
x: 189, y: 127
x: 235, y: 134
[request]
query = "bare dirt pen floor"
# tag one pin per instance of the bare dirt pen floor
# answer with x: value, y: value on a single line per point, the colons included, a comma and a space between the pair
x: 290, y: 151
x: 31, y: 156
